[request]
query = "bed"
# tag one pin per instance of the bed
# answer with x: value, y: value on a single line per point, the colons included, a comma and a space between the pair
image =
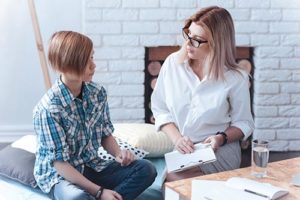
x: 13, y: 190
x: 17, y: 160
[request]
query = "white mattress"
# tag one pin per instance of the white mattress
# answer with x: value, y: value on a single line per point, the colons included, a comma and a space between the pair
x: 12, y: 190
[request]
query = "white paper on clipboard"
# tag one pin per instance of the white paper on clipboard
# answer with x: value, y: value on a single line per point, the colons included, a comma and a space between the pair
x: 176, y: 161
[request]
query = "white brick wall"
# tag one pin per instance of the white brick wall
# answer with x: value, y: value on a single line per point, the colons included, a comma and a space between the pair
x: 121, y: 29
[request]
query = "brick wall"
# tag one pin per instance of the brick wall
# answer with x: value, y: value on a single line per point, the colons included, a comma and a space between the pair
x: 121, y: 29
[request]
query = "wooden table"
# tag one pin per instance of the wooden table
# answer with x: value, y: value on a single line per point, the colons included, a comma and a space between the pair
x: 280, y: 174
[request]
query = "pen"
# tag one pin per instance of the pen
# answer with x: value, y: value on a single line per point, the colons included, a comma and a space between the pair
x: 256, y: 193
x: 207, y: 198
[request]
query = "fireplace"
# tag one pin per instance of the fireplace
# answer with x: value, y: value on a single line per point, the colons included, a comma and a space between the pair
x: 155, y: 57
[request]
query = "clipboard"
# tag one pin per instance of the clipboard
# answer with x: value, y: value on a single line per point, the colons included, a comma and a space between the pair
x: 176, y: 161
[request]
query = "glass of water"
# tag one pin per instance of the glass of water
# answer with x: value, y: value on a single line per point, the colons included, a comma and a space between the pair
x: 260, y: 158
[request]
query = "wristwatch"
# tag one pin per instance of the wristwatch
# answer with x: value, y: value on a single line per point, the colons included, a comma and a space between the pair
x: 224, y: 137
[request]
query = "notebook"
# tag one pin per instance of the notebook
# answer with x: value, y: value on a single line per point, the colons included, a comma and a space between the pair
x: 235, y: 188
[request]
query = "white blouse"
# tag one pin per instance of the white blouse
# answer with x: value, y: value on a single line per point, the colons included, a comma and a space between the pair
x: 201, y: 108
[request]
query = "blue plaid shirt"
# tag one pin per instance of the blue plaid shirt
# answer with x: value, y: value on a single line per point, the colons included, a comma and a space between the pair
x: 70, y: 129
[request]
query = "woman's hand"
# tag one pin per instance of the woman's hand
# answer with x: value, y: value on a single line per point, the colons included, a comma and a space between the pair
x: 184, y: 145
x: 125, y: 157
x: 215, y: 141
x: 110, y: 194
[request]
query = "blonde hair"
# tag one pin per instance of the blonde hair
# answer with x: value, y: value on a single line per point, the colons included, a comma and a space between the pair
x: 217, y: 22
x: 69, y: 51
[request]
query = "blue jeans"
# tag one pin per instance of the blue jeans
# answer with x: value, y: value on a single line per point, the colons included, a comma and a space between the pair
x: 129, y: 181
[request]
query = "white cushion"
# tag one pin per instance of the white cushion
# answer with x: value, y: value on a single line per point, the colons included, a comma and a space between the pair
x: 145, y: 137
x: 27, y: 143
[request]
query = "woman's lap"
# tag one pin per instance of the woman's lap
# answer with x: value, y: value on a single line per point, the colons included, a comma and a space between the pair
x: 228, y: 158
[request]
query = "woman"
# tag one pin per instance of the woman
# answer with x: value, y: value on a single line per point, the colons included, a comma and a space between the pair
x: 201, y: 94
x: 72, y: 121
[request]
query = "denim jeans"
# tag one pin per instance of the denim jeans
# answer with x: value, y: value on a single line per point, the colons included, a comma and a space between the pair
x: 129, y: 181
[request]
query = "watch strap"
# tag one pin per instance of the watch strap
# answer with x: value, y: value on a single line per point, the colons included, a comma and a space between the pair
x: 225, y: 137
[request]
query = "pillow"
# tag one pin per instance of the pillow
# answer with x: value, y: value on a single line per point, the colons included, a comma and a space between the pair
x: 17, y: 160
x: 138, y: 153
x: 145, y: 137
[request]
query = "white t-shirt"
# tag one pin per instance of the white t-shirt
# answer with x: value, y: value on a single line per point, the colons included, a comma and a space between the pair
x: 201, y: 108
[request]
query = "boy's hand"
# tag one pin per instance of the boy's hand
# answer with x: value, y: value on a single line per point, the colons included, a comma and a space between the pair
x: 125, y: 157
x: 110, y: 194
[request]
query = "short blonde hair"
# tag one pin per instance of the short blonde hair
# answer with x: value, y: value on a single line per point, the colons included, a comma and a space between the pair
x: 217, y: 22
x: 69, y: 51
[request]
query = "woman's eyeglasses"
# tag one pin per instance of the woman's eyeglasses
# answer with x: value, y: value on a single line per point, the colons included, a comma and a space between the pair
x: 194, y: 42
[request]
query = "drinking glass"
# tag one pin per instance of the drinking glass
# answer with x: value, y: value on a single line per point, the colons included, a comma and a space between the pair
x: 259, y: 158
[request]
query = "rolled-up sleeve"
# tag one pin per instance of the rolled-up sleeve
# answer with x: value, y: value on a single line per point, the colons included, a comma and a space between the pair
x: 51, y: 137
x: 240, y: 112
x: 104, y: 121
x: 159, y: 107
x: 108, y: 127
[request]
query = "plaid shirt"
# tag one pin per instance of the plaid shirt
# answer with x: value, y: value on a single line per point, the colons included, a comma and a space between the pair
x: 70, y: 129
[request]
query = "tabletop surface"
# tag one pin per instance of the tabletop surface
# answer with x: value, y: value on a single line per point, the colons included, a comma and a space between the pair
x: 279, y: 174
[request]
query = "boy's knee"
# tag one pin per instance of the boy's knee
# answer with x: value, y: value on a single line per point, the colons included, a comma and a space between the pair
x: 74, y: 196
x: 148, y: 169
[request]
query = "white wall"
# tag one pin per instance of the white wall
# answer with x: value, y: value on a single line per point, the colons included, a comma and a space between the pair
x: 21, y: 81
x: 123, y: 28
